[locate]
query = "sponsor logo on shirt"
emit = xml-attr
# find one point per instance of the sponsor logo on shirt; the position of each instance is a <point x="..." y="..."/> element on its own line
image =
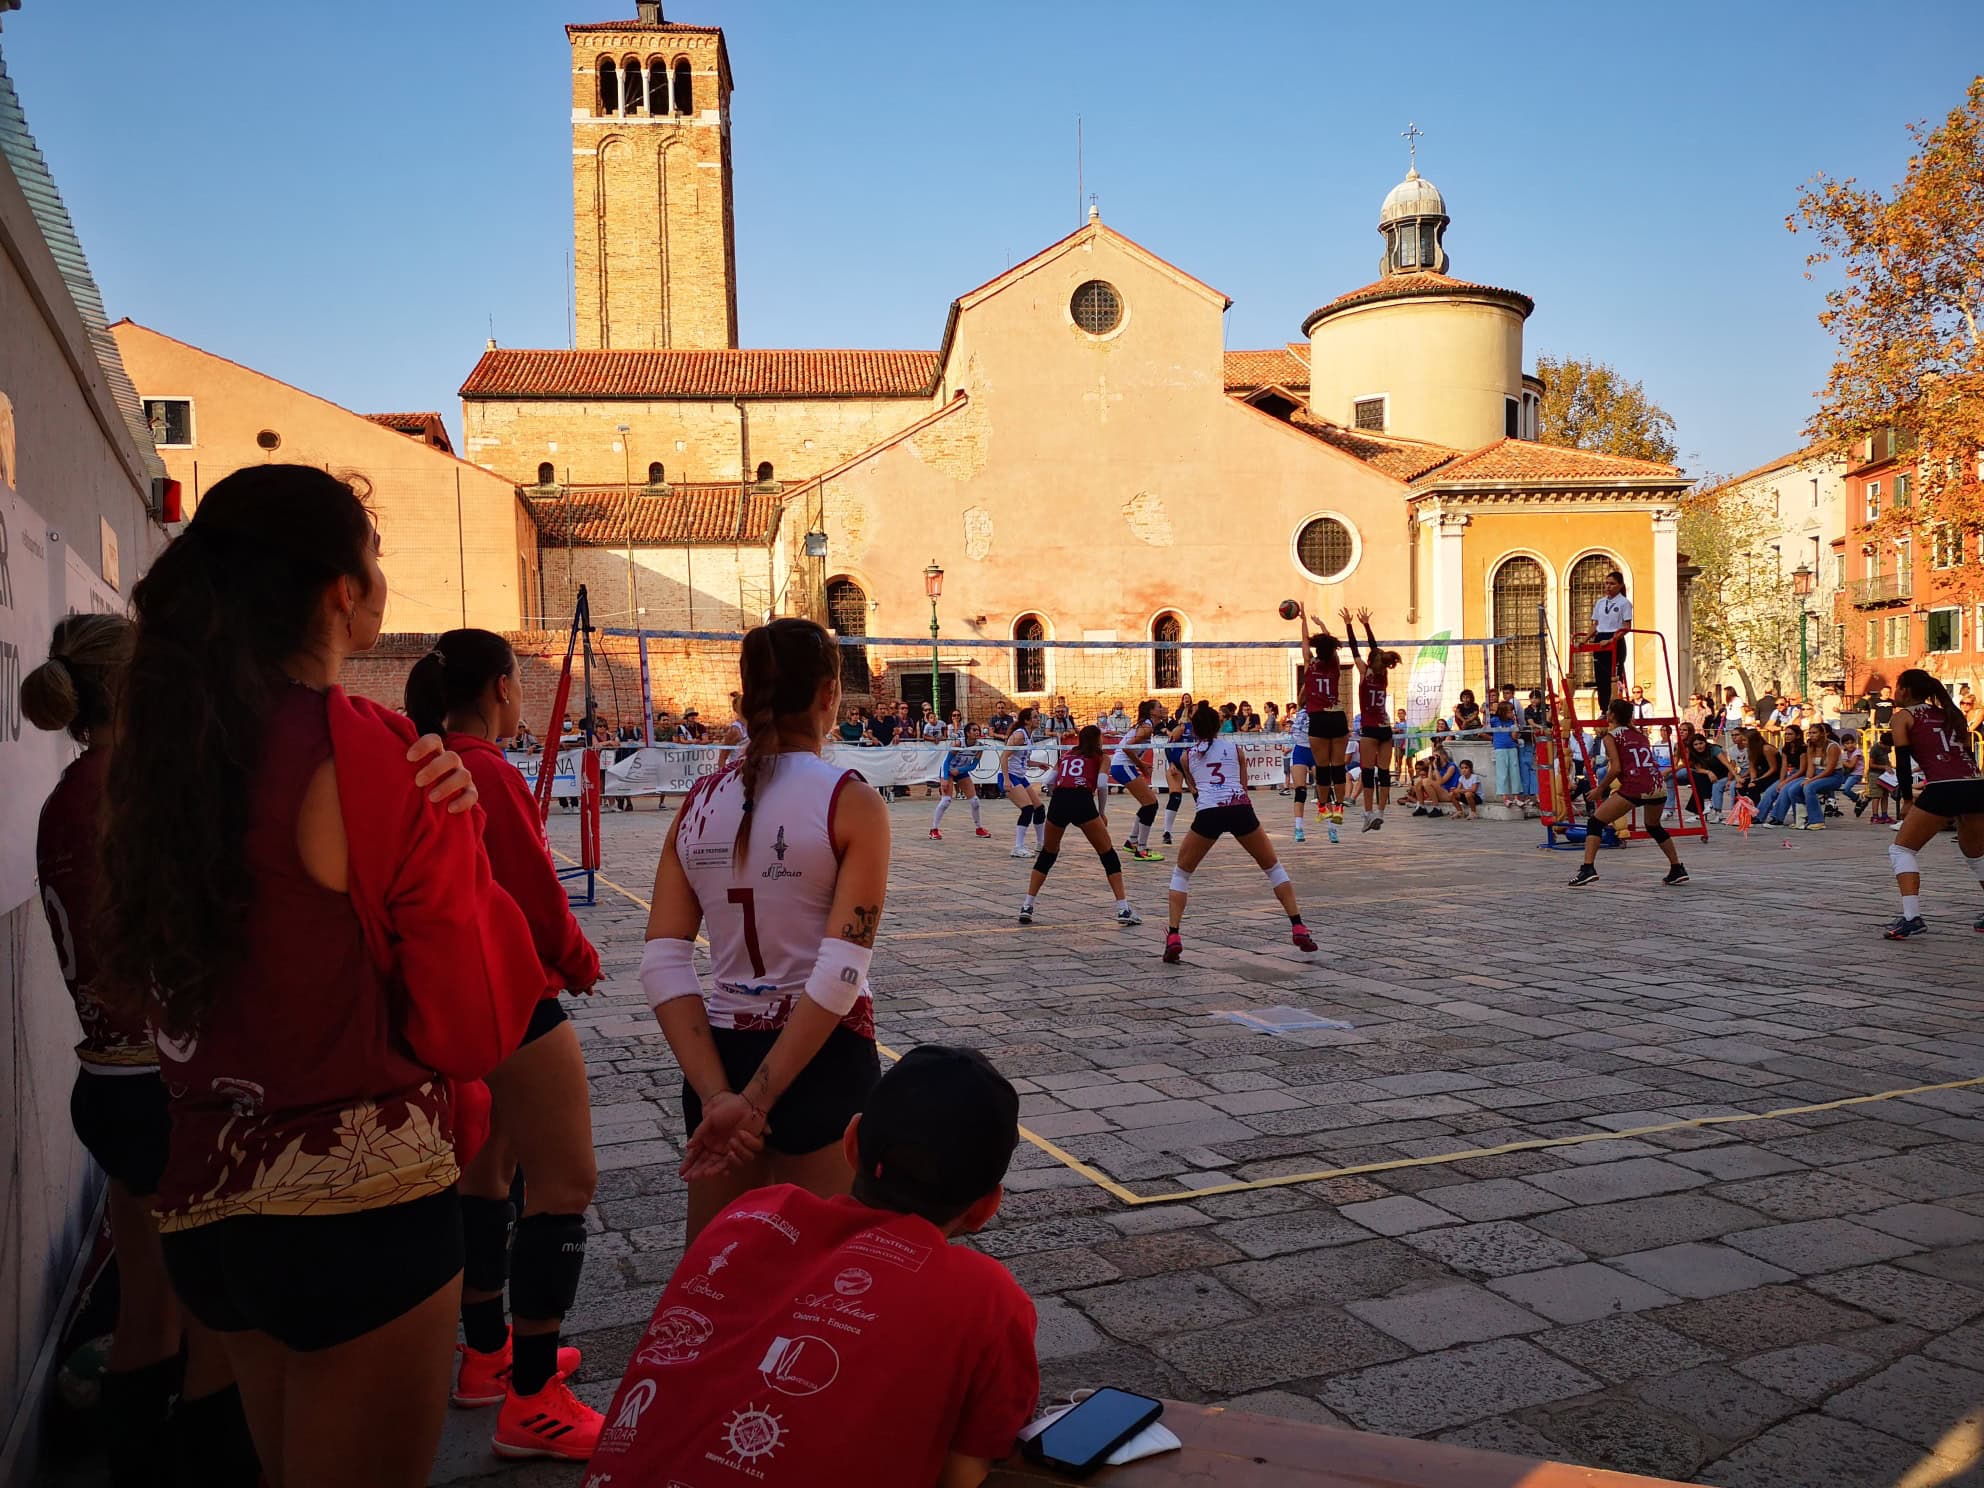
<point x="676" y="1336"/>
<point x="800" y="1366"/>
<point x="766" y="1217"/>
<point x="778" y="845"/>
<point x="749" y="1434"/>
<point x="853" y="1282"/>
<point x="619" y="1436"/>
<point x="879" y="1245"/>
<point x="701" y="1285"/>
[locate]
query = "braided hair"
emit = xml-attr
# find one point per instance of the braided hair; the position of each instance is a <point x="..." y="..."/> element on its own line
<point x="783" y="665"/>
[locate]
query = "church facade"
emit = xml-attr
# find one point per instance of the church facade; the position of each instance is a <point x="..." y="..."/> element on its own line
<point x="1079" y="454"/>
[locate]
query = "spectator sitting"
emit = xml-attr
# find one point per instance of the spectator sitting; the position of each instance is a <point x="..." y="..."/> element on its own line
<point x="692" y="727"/>
<point x="1823" y="774"/>
<point x="1424" y="793"/>
<point x="1853" y="764"/>
<point x="1060" y="720"/>
<point x="882" y="728"/>
<point x="851" y="729"/>
<point x="932" y="1343"/>
<point x="1270" y="719"/>
<point x="1699" y="768"/>
<point x="1227" y="713"/>
<point x="1116" y="721"/>
<point x="1502" y="729"/>
<point x="1641" y="707"/>
<point x="525" y="740"/>
<point x="1000" y="724"/>
<point x="1697" y="711"/>
<point x="1248" y="720"/>
<point x="1466" y="791"/>
<point x="1467" y="712"/>
<point x="1790" y="775"/>
<point x="1880" y="781"/>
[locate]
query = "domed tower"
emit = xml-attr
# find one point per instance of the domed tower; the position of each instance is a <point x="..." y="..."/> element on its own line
<point x="1416" y="353"/>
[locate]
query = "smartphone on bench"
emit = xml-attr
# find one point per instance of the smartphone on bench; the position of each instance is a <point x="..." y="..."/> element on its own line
<point x="1081" y="1440"/>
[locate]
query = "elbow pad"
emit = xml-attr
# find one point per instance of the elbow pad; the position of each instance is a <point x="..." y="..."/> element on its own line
<point x="668" y="971"/>
<point x="840" y="975"/>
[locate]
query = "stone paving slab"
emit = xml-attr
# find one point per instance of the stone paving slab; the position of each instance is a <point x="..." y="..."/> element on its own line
<point x="1777" y="1303"/>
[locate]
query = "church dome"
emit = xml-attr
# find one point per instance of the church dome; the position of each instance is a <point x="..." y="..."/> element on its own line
<point x="1415" y="196"/>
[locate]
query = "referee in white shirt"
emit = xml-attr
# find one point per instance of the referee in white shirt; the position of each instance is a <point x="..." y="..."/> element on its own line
<point x="1612" y="614"/>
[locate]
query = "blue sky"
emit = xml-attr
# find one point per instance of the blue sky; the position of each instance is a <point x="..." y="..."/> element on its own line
<point x="344" y="194"/>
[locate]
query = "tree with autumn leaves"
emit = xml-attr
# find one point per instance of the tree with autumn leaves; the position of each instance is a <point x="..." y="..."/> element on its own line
<point x="1908" y="314"/>
<point x="1590" y="406"/>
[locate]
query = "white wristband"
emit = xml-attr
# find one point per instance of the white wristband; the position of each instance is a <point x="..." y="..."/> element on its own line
<point x="668" y="971"/>
<point x="840" y="975"/>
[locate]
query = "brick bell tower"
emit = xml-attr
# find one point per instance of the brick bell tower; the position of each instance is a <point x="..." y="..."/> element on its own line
<point x="653" y="245"/>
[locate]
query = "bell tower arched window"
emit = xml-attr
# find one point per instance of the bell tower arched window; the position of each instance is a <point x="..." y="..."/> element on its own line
<point x="547" y="475"/>
<point x="609" y="87"/>
<point x="685" y="87"/>
<point x="634" y="90"/>
<point x="656" y="475"/>
<point x="658" y="89"/>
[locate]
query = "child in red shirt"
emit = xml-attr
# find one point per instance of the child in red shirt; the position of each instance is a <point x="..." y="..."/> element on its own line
<point x="810" y="1343"/>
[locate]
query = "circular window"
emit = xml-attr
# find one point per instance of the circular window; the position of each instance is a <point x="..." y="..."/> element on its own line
<point x="1326" y="548"/>
<point x="268" y="439"/>
<point x="1097" y="308"/>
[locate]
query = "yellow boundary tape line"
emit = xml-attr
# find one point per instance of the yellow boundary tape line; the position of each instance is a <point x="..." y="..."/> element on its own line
<point x="1290" y="1180"/>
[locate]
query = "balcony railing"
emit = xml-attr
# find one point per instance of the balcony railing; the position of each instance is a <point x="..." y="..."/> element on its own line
<point x="1882" y="589"/>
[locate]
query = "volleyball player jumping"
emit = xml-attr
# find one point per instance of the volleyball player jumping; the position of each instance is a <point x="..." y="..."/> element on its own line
<point x="1329" y="726"/>
<point x="1930" y="736"/>
<point x="1218" y="771"/>
<point x="1374" y="728"/>
<point x="954" y="775"/>
<point x="1072" y="804"/>
<point x="1018" y="788"/>
<point x="1126" y="769"/>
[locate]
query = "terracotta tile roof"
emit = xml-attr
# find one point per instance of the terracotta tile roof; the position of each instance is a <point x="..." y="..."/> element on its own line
<point x="1401" y="459"/>
<point x="406" y="423"/>
<point x="1796" y="457"/>
<point x="1418" y="286"/>
<point x="1284" y="366"/>
<point x="505" y="373"/>
<point x="598" y="516"/>
<point x="1523" y="461"/>
<point x="632" y="24"/>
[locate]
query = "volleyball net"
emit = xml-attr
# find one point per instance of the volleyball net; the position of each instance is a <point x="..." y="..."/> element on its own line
<point x="651" y="683"/>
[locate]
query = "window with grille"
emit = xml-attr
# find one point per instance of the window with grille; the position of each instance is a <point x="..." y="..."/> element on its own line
<point x="1167" y="668"/>
<point x="1873" y="640"/>
<point x="1369" y="413"/>
<point x="1325" y="549"/>
<point x="171" y="420"/>
<point x="1096" y="307"/>
<point x="847" y="615"/>
<point x="1587" y="588"/>
<point x="1519" y="595"/>
<point x="1029" y="659"/>
<point x="1895" y="642"/>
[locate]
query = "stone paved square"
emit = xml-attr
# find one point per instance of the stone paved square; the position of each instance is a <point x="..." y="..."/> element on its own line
<point x="1768" y="1303"/>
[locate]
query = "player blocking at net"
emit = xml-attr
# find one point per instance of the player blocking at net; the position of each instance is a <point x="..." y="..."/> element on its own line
<point x="1322" y="701"/>
<point x="1217" y="769"/>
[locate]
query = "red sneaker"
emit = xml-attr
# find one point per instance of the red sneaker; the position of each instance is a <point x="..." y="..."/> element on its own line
<point x="484" y="1379"/>
<point x="981" y="832"/>
<point x="1174" y="948"/>
<point x="552" y="1423"/>
<point x="935" y="835"/>
<point x="1304" y="941"/>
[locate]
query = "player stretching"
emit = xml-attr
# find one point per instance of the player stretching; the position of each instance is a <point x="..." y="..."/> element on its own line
<point x="1072" y="804"/>
<point x="1126" y="769"/>
<point x="1374" y="728"/>
<point x="1329" y="727"/>
<point x="1930" y="735"/>
<point x="1218" y="770"/>
<point x="1020" y="790"/>
<point x="954" y="775"/>
<point x="1634" y="780"/>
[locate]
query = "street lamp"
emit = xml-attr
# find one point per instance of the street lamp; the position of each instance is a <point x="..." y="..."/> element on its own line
<point x="627" y="478"/>
<point x="933" y="585"/>
<point x="1801" y="586"/>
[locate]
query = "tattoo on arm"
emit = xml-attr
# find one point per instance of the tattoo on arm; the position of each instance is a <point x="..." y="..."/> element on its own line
<point x="861" y="929"/>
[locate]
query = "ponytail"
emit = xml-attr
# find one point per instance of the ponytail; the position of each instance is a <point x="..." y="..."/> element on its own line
<point x="76" y="688"/>
<point x="1926" y="686"/>
<point x="783" y="665"/>
<point x="454" y="676"/>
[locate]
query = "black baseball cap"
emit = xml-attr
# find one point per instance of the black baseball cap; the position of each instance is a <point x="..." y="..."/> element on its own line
<point x="938" y="1131"/>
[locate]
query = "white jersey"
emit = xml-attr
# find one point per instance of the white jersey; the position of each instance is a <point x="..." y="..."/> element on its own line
<point x="1215" y="766"/>
<point x="1296" y="723"/>
<point x="766" y="916"/>
<point x="1139" y="736"/>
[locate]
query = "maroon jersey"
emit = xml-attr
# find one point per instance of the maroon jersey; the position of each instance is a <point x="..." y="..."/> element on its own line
<point x="1371" y="696"/>
<point x="1078" y="772"/>
<point x="66" y="863"/>
<point x="1639" y="768"/>
<point x="1934" y="746"/>
<point x="1319" y="687"/>
<point x="297" y="1094"/>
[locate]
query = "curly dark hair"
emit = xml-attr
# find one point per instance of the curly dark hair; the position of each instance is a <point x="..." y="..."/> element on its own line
<point x="234" y="597"/>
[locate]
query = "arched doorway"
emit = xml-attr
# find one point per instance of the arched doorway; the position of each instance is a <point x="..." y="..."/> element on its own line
<point x="1519" y="595"/>
<point x="847" y="615"/>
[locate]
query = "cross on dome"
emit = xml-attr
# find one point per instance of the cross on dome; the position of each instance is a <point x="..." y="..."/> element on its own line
<point x="1411" y="135"/>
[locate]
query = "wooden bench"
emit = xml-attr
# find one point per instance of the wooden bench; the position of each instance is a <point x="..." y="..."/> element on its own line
<point x="1230" y="1449"/>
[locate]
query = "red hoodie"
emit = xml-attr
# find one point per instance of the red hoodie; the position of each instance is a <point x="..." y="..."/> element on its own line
<point x="520" y="858"/>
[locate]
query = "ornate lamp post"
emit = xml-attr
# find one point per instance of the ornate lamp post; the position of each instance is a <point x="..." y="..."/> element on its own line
<point x="933" y="585"/>
<point x="1801" y="585"/>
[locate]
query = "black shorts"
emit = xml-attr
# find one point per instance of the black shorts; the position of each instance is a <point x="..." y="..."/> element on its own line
<point x="1377" y="733"/>
<point x="1951" y="797"/>
<point x="547" y="1015"/>
<point x="1331" y="723"/>
<point x="1070" y="807"/>
<point x="814" y="1111"/>
<point x="313" y="1281"/>
<point x="123" y="1122"/>
<point x="1213" y="822"/>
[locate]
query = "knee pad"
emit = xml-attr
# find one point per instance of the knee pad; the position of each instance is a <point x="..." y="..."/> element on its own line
<point x="1301" y="795"/>
<point x="1044" y="863"/>
<point x="1173" y="801"/>
<point x="1111" y="862"/>
<point x="1036" y="816"/>
<point x="1657" y="832"/>
<point x="1339" y="774"/>
<point x="485" y="1243"/>
<point x="1181" y="881"/>
<point x="1903" y="859"/>
<point x="1383" y="779"/>
<point x="1147" y="814"/>
<point x="1277" y="876"/>
<point x="549" y="1253"/>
